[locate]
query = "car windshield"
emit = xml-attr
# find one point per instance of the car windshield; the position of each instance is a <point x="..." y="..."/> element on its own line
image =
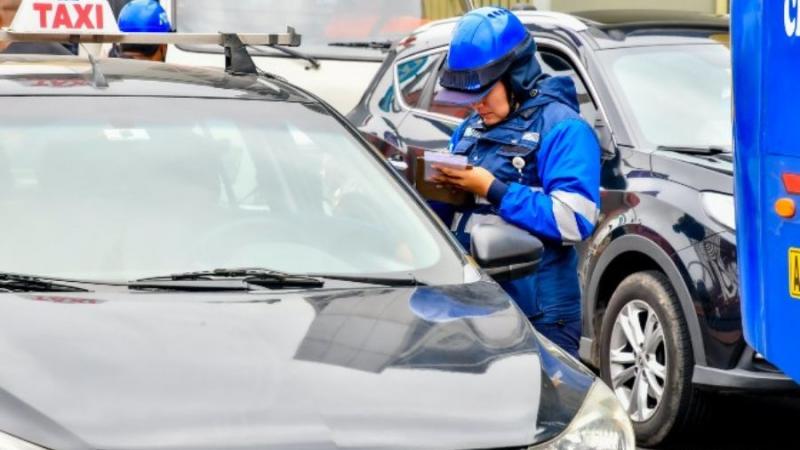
<point x="674" y="96"/>
<point x="319" y="22"/>
<point x="121" y="188"/>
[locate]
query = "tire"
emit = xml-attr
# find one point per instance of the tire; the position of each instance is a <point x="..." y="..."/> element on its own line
<point x="660" y="365"/>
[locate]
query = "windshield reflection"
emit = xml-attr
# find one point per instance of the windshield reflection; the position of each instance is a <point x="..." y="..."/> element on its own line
<point x="675" y="96"/>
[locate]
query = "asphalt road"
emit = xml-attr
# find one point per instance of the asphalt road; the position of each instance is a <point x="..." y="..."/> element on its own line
<point x="745" y="423"/>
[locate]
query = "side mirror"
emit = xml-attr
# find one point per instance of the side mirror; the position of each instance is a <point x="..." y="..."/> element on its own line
<point x="504" y="251"/>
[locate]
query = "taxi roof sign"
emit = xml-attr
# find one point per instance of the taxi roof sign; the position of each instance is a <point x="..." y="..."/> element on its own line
<point x="65" y="16"/>
<point x="91" y="21"/>
<point x="289" y="39"/>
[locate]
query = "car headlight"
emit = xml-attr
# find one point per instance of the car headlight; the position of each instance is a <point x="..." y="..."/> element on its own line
<point x="720" y="207"/>
<point x="601" y="424"/>
<point x="8" y="442"/>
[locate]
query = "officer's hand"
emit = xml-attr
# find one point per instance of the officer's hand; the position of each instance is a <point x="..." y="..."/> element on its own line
<point x="476" y="179"/>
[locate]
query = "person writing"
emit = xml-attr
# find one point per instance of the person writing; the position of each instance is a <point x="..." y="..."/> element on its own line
<point x="535" y="163"/>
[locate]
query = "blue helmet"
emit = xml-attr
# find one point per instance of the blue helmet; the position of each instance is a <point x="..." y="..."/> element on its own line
<point x="144" y="16"/>
<point x="485" y="43"/>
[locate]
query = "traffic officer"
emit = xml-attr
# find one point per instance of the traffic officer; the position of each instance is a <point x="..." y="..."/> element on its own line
<point x="535" y="161"/>
<point x="143" y="16"/>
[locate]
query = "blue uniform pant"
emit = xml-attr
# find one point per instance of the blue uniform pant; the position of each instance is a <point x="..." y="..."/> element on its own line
<point x="566" y="335"/>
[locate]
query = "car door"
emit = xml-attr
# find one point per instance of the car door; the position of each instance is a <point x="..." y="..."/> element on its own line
<point x="379" y="115"/>
<point x="422" y="128"/>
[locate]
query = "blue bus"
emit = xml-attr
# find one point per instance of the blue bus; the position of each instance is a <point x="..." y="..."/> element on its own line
<point x="766" y="76"/>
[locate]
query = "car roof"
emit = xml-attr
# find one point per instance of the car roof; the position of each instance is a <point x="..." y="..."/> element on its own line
<point x="631" y="28"/>
<point x="31" y="75"/>
<point x="602" y="28"/>
<point x="634" y="18"/>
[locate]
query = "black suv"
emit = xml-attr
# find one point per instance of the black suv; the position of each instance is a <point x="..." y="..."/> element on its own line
<point x="661" y="313"/>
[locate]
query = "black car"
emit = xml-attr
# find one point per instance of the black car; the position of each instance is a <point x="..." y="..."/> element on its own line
<point x="196" y="260"/>
<point x="661" y="312"/>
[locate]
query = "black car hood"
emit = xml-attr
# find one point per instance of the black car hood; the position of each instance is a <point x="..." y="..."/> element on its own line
<point x="451" y="367"/>
<point x="702" y="172"/>
<point x="722" y="162"/>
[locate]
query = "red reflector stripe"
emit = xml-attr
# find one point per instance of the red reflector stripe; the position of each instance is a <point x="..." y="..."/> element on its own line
<point x="791" y="182"/>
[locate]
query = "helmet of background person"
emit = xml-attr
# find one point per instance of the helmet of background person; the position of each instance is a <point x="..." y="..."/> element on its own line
<point x="143" y="16"/>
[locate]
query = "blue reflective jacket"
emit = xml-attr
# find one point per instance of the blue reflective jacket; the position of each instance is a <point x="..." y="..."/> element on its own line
<point x="554" y="195"/>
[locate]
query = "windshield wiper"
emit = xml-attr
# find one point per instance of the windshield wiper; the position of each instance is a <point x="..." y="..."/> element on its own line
<point x="14" y="282"/>
<point x="291" y="52"/>
<point x="383" y="281"/>
<point x="380" y="45"/>
<point x="189" y="286"/>
<point x="260" y="277"/>
<point x="243" y="276"/>
<point x="699" y="150"/>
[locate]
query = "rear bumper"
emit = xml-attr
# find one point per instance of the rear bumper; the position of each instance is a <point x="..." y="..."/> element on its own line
<point x="740" y="379"/>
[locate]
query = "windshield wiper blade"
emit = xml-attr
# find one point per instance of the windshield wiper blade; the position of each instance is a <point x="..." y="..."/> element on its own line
<point x="247" y="275"/>
<point x="699" y="150"/>
<point x="289" y="51"/>
<point x="189" y="285"/>
<point x="14" y="282"/>
<point x="261" y="277"/>
<point x="383" y="281"/>
<point x="380" y="45"/>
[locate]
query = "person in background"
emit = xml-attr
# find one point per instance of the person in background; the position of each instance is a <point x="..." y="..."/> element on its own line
<point x="8" y="9"/>
<point x="535" y="161"/>
<point x="143" y="16"/>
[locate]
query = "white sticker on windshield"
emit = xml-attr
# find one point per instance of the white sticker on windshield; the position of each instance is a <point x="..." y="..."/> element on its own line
<point x="300" y="138"/>
<point x="126" y="134"/>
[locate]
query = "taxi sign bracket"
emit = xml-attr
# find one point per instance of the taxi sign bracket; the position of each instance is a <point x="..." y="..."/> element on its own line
<point x="237" y="59"/>
<point x="98" y="79"/>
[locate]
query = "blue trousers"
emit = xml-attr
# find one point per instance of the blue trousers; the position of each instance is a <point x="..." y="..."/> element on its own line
<point x="566" y="335"/>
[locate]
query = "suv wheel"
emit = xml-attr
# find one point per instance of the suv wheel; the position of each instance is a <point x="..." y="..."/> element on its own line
<point x="646" y="356"/>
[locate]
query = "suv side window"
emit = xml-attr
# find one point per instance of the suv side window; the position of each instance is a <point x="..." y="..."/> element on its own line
<point x="413" y="76"/>
<point x="553" y="63"/>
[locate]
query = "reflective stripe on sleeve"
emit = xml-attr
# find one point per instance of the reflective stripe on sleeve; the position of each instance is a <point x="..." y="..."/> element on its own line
<point x="566" y="222"/>
<point x="578" y="203"/>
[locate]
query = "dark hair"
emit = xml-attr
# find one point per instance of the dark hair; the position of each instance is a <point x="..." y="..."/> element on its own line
<point x="147" y="50"/>
<point x="513" y="104"/>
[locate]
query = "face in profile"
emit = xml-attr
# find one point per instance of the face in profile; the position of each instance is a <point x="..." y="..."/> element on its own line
<point x="494" y="108"/>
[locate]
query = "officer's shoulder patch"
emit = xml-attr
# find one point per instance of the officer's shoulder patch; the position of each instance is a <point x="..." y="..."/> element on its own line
<point x="530" y="136"/>
<point x="472" y="132"/>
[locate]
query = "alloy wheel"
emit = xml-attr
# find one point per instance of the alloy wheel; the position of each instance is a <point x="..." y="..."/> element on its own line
<point x="638" y="360"/>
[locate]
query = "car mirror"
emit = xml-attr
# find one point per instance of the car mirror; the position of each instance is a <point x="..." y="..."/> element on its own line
<point x="504" y="251"/>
